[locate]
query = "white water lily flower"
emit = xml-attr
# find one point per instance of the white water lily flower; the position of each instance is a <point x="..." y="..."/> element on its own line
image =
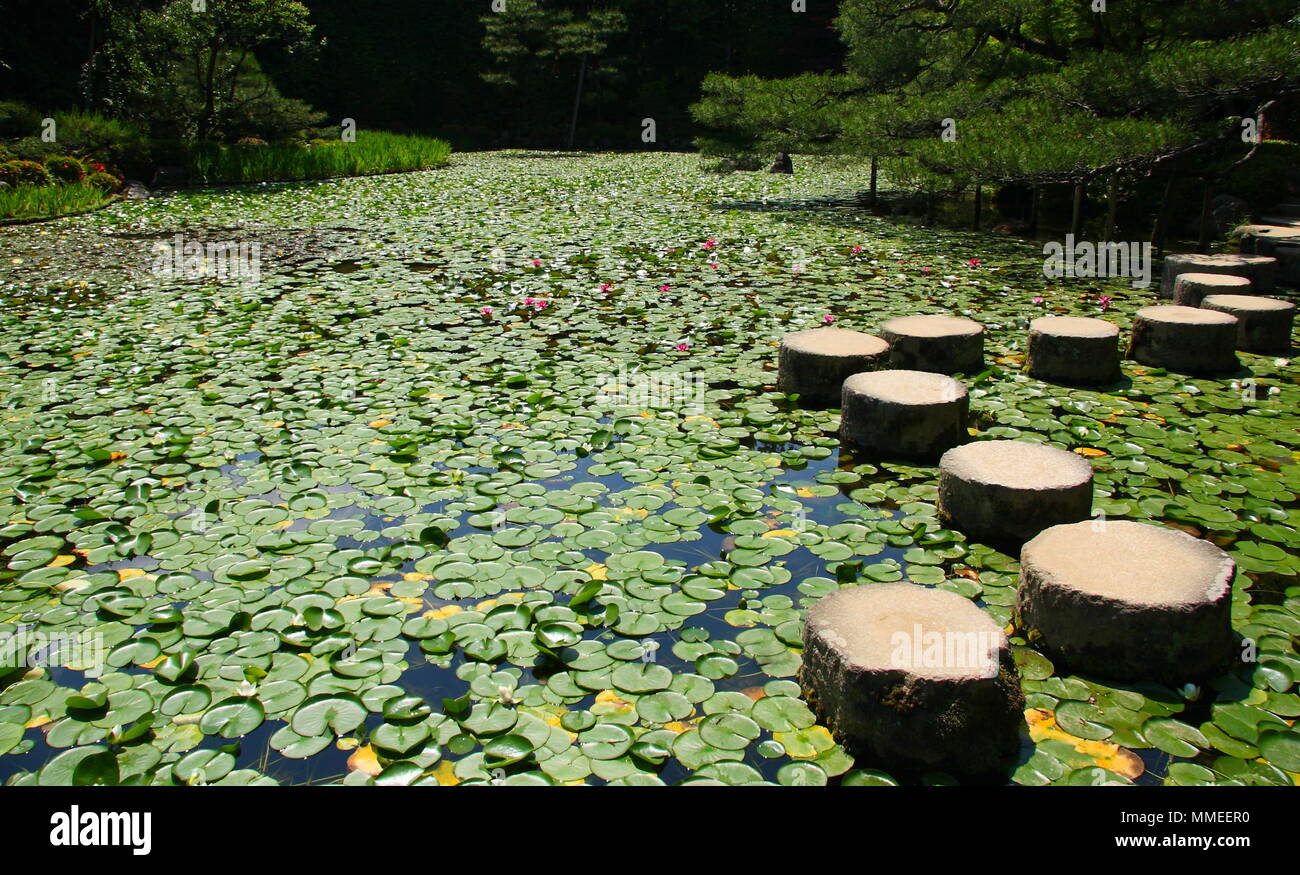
<point x="1191" y="692"/>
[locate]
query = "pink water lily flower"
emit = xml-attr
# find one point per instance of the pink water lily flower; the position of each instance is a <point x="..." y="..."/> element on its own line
<point x="857" y="248"/>
<point x="925" y="270"/>
<point x="1038" y="299"/>
<point x="714" y="265"/>
<point x="710" y="243"/>
<point x="541" y="305"/>
<point x="828" y="319"/>
<point x="528" y="302"/>
<point x="605" y="287"/>
<point x="1104" y="301"/>
<point x="486" y="311"/>
<point x="682" y="347"/>
<point x="536" y="263"/>
<point x="665" y="288"/>
<point x="974" y="262"/>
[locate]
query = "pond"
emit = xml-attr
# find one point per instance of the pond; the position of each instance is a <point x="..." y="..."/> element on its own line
<point x="482" y="476"/>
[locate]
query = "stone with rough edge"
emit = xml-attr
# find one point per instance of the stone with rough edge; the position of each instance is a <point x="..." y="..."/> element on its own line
<point x="1263" y="324"/>
<point x="815" y="363"/>
<point x="1261" y="270"/>
<point x="910" y="676"/>
<point x="1188" y="340"/>
<point x="908" y="414"/>
<point x="1008" y="491"/>
<point x="939" y="344"/>
<point x="1073" y="350"/>
<point x="1191" y="288"/>
<point x="1128" y="601"/>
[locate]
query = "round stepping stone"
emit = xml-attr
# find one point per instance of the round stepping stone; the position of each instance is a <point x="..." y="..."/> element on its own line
<point x="1002" y="491"/>
<point x="940" y="344"/>
<point x="1261" y="270"/>
<point x="911" y="676"/>
<point x="1128" y="601"/>
<point x="1184" y="339"/>
<point x="1263" y="324"/>
<point x="815" y="363"/>
<point x="912" y="414"/>
<point x="1191" y="288"/>
<point x="1074" y="350"/>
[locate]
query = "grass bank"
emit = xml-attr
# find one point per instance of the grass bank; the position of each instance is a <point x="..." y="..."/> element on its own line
<point x="372" y="153"/>
<point x="48" y="201"/>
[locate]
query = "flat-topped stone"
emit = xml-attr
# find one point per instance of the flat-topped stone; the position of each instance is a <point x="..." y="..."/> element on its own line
<point x="1074" y="350"/>
<point x="1127" y="600"/>
<point x="1263" y="324"/>
<point x="909" y="414"/>
<point x="1009" y="491"/>
<point x="1261" y="270"/>
<point x="940" y="344"/>
<point x="1184" y="339"/>
<point x="914" y="676"/>
<point x="1279" y="241"/>
<point x="1191" y="288"/>
<point x="815" y="363"/>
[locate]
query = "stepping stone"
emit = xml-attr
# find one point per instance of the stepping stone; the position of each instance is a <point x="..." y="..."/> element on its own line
<point x="912" y="414"/>
<point x="1191" y="288"/>
<point x="1009" y="491"/>
<point x="1263" y="324"/>
<point x="1127" y="601"/>
<point x="815" y="363"/>
<point x="940" y="344"/>
<point x="1280" y="241"/>
<point x="1184" y="339"/>
<point x="1261" y="270"/>
<point x="1074" y="350"/>
<point x="913" y="677"/>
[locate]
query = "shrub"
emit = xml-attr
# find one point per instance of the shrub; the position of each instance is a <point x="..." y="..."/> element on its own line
<point x="18" y="119"/>
<point x="65" y="168"/>
<point x="106" y="182"/>
<point x="24" y="173"/>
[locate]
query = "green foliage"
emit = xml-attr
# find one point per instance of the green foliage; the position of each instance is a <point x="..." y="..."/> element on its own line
<point x="194" y="73"/>
<point x="1029" y="91"/>
<point x="373" y="152"/>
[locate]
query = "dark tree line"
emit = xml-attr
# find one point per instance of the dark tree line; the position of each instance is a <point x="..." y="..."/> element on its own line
<point x="424" y="66"/>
